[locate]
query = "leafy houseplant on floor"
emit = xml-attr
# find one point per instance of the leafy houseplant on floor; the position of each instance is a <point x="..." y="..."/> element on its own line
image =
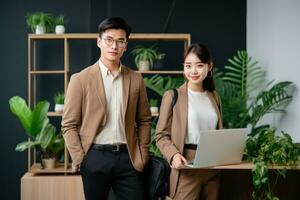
<point x="144" y="57"/>
<point x="60" y="24"/>
<point x="246" y="97"/>
<point x="40" y="22"/>
<point x="41" y="132"/>
<point x="59" y="99"/>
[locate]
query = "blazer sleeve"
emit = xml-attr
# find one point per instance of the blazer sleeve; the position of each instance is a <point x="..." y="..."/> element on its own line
<point x="163" y="136"/>
<point x="143" y="121"/>
<point x="71" y="120"/>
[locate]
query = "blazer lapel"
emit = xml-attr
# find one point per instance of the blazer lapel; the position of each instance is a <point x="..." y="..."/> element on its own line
<point x="99" y="87"/>
<point x="126" y="86"/>
<point x="183" y="108"/>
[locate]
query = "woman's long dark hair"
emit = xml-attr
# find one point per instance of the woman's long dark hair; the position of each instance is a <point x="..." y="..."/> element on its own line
<point x="202" y="52"/>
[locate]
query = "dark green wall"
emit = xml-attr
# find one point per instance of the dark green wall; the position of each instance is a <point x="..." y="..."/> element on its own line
<point x="220" y="25"/>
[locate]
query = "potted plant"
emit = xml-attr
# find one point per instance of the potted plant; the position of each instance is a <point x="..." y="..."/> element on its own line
<point x="59" y="99"/>
<point x="41" y="132"/>
<point x="153" y="106"/>
<point x="144" y="57"/>
<point x="40" y="22"/>
<point x="60" y="24"/>
<point x="158" y="61"/>
<point x="246" y="98"/>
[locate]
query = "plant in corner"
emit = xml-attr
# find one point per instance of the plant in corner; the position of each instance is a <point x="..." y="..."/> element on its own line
<point x="42" y="134"/>
<point x="59" y="99"/>
<point x="40" y="22"/>
<point x="246" y="98"/>
<point x="144" y="57"/>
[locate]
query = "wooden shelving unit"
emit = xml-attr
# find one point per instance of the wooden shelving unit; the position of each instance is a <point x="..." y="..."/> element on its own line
<point x="64" y="70"/>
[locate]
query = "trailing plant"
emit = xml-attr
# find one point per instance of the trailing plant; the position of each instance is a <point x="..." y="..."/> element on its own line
<point x="265" y="149"/>
<point x="41" y="132"/>
<point x="153" y="148"/>
<point x="59" y="98"/>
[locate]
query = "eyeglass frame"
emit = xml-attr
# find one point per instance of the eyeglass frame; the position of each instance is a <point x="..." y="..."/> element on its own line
<point x="120" y="43"/>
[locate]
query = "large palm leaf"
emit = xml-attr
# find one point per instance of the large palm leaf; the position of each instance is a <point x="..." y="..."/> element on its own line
<point x="161" y="84"/>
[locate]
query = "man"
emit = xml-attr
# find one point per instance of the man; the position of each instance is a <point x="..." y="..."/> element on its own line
<point x="106" y="120"/>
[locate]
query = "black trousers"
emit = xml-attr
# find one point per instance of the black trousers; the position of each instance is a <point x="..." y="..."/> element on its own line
<point x="102" y="170"/>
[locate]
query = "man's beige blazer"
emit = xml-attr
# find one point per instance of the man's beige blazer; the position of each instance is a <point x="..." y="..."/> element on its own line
<point x="172" y="127"/>
<point x="84" y="114"/>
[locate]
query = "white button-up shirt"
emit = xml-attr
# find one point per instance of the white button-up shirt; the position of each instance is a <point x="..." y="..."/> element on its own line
<point x="113" y="131"/>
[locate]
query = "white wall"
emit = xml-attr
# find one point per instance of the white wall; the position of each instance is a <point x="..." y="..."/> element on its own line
<point x="273" y="39"/>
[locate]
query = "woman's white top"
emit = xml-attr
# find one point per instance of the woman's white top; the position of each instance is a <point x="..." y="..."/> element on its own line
<point x="201" y="116"/>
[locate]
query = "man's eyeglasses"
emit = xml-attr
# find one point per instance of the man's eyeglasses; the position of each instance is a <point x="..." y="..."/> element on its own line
<point x="110" y="41"/>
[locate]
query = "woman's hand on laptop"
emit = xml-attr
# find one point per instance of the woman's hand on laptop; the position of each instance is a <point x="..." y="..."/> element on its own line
<point x="178" y="161"/>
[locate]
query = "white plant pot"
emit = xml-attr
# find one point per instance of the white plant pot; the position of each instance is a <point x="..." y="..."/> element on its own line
<point x="40" y="29"/>
<point x="59" y="108"/>
<point x="144" y="65"/>
<point x="154" y="109"/>
<point x="59" y="29"/>
<point x="49" y="163"/>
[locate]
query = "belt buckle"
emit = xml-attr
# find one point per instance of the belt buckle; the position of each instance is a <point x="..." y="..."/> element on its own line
<point x="118" y="148"/>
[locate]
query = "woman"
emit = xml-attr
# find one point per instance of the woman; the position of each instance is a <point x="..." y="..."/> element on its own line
<point x="178" y="128"/>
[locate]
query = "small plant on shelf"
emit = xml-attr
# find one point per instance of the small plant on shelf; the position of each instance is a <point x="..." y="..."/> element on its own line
<point x="41" y="132"/>
<point x="59" y="99"/>
<point x="153" y="105"/>
<point x="60" y="24"/>
<point x="144" y="57"/>
<point x="40" y="22"/>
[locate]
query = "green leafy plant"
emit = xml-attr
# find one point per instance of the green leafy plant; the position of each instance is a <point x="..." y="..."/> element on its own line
<point x="142" y="53"/>
<point x="264" y="149"/>
<point x="246" y="98"/>
<point x="153" y="102"/>
<point x="246" y="95"/>
<point x="59" y="98"/>
<point x="40" y="18"/>
<point x="60" y="20"/>
<point x="160" y="84"/>
<point x="41" y="132"/>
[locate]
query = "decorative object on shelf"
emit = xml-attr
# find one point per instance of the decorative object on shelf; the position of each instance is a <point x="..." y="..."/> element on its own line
<point x="42" y="134"/>
<point x="60" y="24"/>
<point x="153" y="106"/>
<point x="144" y="57"/>
<point x="59" y="99"/>
<point x="40" y="22"/>
<point x="246" y="98"/>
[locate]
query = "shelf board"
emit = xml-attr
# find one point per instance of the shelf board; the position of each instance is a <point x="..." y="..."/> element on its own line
<point x="60" y="168"/>
<point x="47" y="72"/>
<point x="54" y="114"/>
<point x="160" y="72"/>
<point x="134" y="36"/>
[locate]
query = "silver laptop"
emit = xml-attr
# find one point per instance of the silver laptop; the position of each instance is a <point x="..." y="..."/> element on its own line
<point x="219" y="147"/>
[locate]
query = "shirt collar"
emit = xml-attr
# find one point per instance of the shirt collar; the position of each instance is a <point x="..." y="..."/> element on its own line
<point x="105" y="71"/>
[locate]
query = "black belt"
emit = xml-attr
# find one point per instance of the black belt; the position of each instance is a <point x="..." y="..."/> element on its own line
<point x="190" y="146"/>
<point x="109" y="147"/>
